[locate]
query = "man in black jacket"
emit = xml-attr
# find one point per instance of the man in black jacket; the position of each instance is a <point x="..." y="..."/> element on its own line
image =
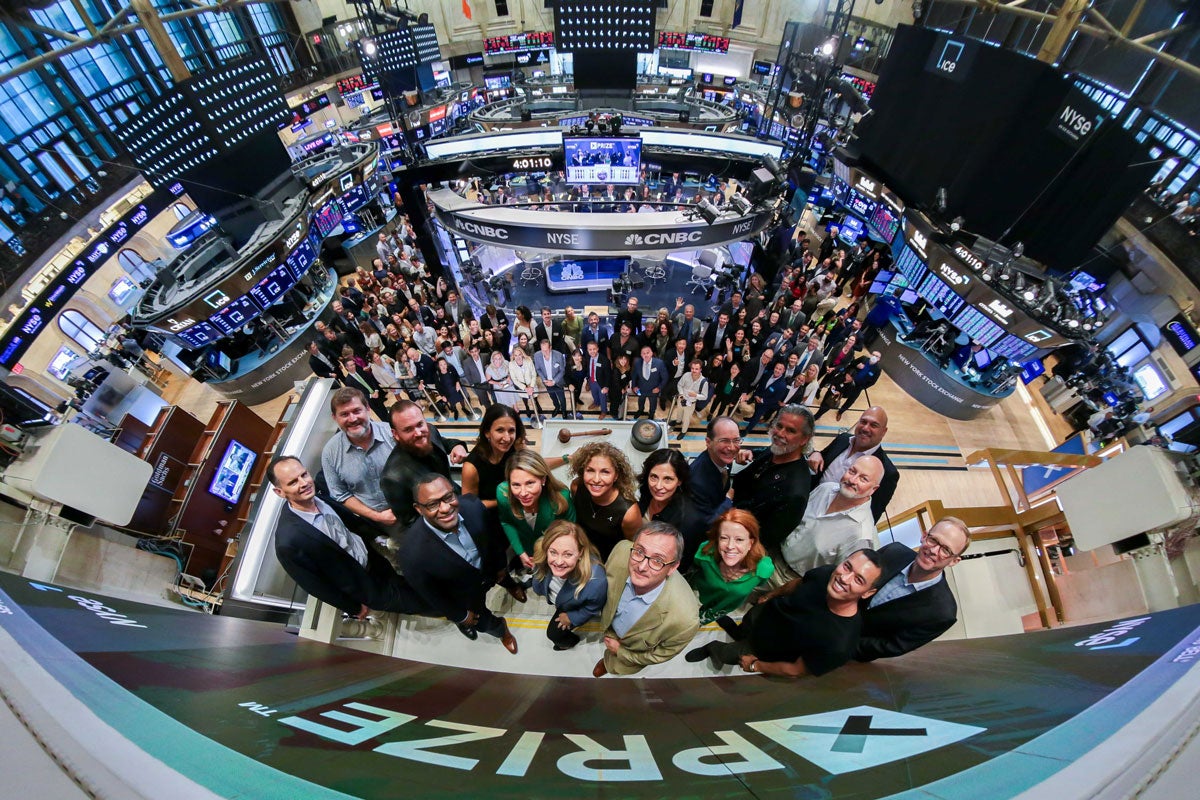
<point x="451" y="556"/>
<point x="419" y="450"/>
<point x="914" y="604"/>
<point x="326" y="549"/>
<point x="321" y="365"/>
<point x="866" y="439"/>
<point x="364" y="381"/>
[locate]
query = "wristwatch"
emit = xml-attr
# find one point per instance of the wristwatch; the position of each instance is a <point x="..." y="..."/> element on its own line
<point x="754" y="666"/>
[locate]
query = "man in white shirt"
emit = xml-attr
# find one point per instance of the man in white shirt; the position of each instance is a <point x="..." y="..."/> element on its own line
<point x="866" y="439"/>
<point x="836" y="522"/>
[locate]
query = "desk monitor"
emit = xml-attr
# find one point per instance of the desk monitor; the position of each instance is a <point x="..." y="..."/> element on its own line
<point x="233" y="473"/>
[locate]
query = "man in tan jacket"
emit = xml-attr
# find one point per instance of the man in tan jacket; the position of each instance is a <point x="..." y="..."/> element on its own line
<point x="651" y="614"/>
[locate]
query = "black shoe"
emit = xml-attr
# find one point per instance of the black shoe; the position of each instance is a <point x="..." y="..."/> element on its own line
<point x="732" y="628"/>
<point x="470" y="633"/>
<point x="699" y="654"/>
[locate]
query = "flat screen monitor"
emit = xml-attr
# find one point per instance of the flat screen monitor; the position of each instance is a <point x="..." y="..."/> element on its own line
<point x="592" y="159"/>
<point x="233" y="473"/>
<point x="1030" y="370"/>
<point x="267" y="291"/>
<point x="1150" y="381"/>
<point x="982" y="359"/>
<point x="502" y="81"/>
<point x="199" y="335"/>
<point x="729" y="80"/>
<point x="909" y="296"/>
<point x="762" y="68"/>
<point x="852" y="228"/>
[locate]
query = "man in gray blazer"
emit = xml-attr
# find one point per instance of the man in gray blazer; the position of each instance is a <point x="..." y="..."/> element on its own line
<point x="551" y="367"/>
<point x="473" y="367"/>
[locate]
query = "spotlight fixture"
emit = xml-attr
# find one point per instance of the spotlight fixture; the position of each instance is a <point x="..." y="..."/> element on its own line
<point x="741" y="204"/>
<point x="369" y="48"/>
<point x="708" y="211"/>
<point x="771" y="164"/>
<point x="828" y="48"/>
<point x="957" y="224"/>
<point x="1018" y="250"/>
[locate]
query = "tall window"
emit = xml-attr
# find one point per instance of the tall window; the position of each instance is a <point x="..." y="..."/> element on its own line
<point x="706" y="8"/>
<point x="181" y="211"/>
<point x="82" y="330"/>
<point x="501" y="8"/>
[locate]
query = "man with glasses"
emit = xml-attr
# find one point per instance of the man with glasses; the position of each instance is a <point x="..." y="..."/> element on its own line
<point x="808" y="627"/>
<point x="651" y="613"/>
<point x="775" y="486"/>
<point x="709" y="483"/>
<point x="451" y="557"/>
<point x="914" y="604"/>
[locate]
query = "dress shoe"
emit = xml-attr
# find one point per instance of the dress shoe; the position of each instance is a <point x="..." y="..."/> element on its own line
<point x="508" y="640"/>
<point x="468" y="632"/>
<point x="599" y="671"/>
<point x="699" y="654"/>
<point x="517" y="592"/>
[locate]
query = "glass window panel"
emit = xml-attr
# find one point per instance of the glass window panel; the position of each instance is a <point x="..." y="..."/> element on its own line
<point x="80" y="329"/>
<point x="55" y="171"/>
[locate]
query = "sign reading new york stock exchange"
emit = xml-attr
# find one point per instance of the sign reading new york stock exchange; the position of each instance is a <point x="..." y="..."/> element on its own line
<point x="596" y="234"/>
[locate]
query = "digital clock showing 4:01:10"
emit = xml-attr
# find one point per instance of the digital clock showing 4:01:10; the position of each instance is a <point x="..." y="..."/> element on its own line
<point x="533" y="162"/>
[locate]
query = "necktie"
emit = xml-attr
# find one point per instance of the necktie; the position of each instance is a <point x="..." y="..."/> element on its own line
<point x="593" y="373"/>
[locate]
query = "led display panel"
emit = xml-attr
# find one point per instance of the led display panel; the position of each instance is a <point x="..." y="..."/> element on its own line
<point x="602" y="160"/>
<point x="593" y="25"/>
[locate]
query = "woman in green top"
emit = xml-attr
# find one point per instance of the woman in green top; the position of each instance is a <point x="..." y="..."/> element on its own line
<point x="730" y="565"/>
<point x="528" y="501"/>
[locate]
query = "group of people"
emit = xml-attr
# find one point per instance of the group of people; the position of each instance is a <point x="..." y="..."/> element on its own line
<point x="651" y="555"/>
<point x="555" y="194"/>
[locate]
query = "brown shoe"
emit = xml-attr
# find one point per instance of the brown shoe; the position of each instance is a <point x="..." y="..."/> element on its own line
<point x="508" y="640"/>
<point x="599" y="671"/>
<point x="517" y="591"/>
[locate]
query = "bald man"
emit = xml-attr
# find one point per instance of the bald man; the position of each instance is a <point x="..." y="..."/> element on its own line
<point x="836" y="522"/>
<point x="866" y="439"/>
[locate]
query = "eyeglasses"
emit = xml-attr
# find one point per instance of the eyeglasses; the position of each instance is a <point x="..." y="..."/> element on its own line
<point x="726" y="442"/>
<point x="943" y="550"/>
<point x="656" y="564"/>
<point x="450" y="499"/>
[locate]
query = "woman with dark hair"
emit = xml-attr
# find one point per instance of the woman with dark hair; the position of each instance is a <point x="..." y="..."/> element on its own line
<point x="729" y="566"/>
<point x="622" y="376"/>
<point x="662" y="340"/>
<point x="663" y="496"/>
<point x="524" y="323"/>
<point x="757" y="337"/>
<point x="450" y="388"/>
<point x="728" y="391"/>
<point x="501" y="433"/>
<point x="604" y="495"/>
<point x="576" y="375"/>
<point x="625" y="343"/>
<point x="568" y="572"/>
<point x="528" y="501"/>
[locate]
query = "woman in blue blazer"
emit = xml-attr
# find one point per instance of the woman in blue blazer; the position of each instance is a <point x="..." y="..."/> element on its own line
<point x="568" y="572"/>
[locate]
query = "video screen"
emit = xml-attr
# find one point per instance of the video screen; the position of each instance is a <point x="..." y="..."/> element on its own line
<point x="233" y="473"/>
<point x="595" y="160"/>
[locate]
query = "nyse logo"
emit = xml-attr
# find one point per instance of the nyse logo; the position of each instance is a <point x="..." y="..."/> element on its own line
<point x="951" y="54"/>
<point x="951" y="274"/>
<point x="292" y="240"/>
<point x="574" y="239"/>
<point x="742" y="227"/>
<point x="1074" y="122"/>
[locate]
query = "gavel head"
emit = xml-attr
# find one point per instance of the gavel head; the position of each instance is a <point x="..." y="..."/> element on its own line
<point x="564" y="435"/>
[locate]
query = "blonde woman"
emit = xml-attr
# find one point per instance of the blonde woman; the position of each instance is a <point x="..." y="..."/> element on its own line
<point x="528" y="501"/>
<point x="567" y="571"/>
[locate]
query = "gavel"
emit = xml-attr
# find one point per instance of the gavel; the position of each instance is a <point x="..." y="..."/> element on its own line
<point x="565" y="435"/>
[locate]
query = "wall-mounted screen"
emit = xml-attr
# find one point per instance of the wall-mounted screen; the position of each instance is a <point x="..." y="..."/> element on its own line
<point x="60" y="364"/>
<point x="233" y="473"/>
<point x="235" y="315"/>
<point x="602" y="160"/>
<point x="199" y="335"/>
<point x="267" y="291"/>
<point x="1150" y="381"/>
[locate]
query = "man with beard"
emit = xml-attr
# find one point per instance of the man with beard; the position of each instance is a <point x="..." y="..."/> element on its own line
<point x="836" y="522"/>
<point x="419" y="450"/>
<point x="831" y="464"/>
<point x="774" y="487"/>
<point x="353" y="459"/>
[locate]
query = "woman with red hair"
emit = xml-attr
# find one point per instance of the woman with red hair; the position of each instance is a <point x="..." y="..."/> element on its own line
<point x="730" y="565"/>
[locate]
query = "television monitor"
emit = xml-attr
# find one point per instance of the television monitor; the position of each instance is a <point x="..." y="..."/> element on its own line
<point x="706" y="77"/>
<point x="497" y="81"/>
<point x="852" y="228"/>
<point x="1111" y="399"/>
<point x="877" y="287"/>
<point x="1150" y="381"/>
<point x="762" y="68"/>
<point x="1030" y="370"/>
<point x="60" y="364"/>
<point x="233" y="472"/>
<point x="591" y="159"/>
<point x="729" y="80"/>
<point x="909" y="296"/>
<point x="982" y="359"/>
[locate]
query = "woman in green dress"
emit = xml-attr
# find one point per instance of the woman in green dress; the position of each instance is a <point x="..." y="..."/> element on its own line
<point x="730" y="565"/>
<point x="528" y="501"/>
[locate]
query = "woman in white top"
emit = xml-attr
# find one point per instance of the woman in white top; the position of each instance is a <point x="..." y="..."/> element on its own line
<point x="498" y="377"/>
<point x="384" y="370"/>
<point x="803" y="388"/>
<point x="693" y="391"/>
<point x="524" y="380"/>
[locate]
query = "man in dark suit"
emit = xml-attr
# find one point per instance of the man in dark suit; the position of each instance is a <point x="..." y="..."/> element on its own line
<point x="914" y="604"/>
<point x="687" y="327"/>
<point x="864" y="372"/>
<point x="631" y="316"/>
<point x="595" y="331"/>
<point x="551" y="369"/>
<point x="811" y="354"/>
<point x="830" y="464"/>
<point x="326" y="549"/>
<point x="768" y="396"/>
<point x="717" y="333"/>
<point x="649" y="379"/>
<point x="598" y="374"/>
<point x="364" y="380"/>
<point x="473" y="375"/>
<point x="551" y="330"/>
<point x="456" y="306"/>
<point x="419" y="450"/>
<point x="709" y="484"/>
<point x="451" y="557"/>
<point x="321" y="365"/>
